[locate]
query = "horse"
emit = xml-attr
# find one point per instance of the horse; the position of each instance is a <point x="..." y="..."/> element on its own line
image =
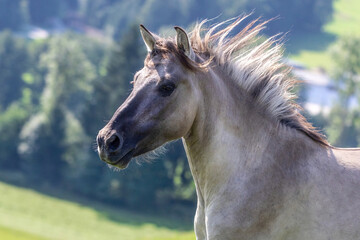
<point x="260" y="169"/>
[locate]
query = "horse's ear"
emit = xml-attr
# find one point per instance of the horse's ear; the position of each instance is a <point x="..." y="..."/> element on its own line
<point x="148" y="38"/>
<point x="183" y="43"/>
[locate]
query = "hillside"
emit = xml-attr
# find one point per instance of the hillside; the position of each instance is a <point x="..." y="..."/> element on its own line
<point x="27" y="214"/>
<point x="312" y="49"/>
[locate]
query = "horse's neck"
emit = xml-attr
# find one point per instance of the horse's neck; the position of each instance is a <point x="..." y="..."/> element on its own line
<point x="224" y="151"/>
<point x="229" y="140"/>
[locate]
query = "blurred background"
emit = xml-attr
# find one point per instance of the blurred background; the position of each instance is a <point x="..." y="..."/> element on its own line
<point x="65" y="67"/>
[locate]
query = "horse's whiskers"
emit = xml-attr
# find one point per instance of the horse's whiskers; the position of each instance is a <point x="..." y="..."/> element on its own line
<point x="94" y="146"/>
<point x="151" y="156"/>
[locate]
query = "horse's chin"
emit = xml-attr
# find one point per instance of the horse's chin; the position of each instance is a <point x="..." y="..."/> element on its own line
<point x="140" y="155"/>
<point x="124" y="161"/>
<point x="121" y="165"/>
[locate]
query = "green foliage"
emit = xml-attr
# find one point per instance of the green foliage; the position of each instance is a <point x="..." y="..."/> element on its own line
<point x="294" y="15"/>
<point x="11" y="14"/>
<point x="42" y="147"/>
<point x="69" y="74"/>
<point x="13" y="63"/>
<point x="344" y="125"/>
<point x="51" y="136"/>
<point x="41" y="11"/>
<point x="177" y="169"/>
<point x="297" y="15"/>
<point x="14" y="14"/>
<point x="312" y="49"/>
<point x="346" y="55"/>
<point x="11" y="122"/>
<point x="342" y="130"/>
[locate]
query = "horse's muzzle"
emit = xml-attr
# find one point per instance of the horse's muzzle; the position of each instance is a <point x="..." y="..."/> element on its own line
<point x="112" y="150"/>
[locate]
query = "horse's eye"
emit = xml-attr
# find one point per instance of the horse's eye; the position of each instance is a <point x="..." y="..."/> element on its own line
<point x="166" y="89"/>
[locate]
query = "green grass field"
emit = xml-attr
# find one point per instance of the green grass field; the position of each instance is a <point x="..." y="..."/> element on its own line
<point x="28" y="215"/>
<point x="312" y="49"/>
<point x="11" y="234"/>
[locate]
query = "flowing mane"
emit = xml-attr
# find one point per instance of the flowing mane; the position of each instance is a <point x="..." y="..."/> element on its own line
<point x="256" y="66"/>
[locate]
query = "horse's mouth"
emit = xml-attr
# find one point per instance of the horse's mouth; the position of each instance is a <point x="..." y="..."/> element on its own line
<point x="123" y="161"/>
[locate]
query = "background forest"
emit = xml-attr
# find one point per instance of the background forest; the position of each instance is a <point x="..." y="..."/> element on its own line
<point x="66" y="65"/>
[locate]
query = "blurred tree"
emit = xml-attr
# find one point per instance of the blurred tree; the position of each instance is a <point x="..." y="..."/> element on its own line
<point x="11" y="122"/>
<point x="41" y="11"/>
<point x="113" y="16"/>
<point x="93" y="11"/>
<point x="175" y="14"/>
<point x="72" y="4"/>
<point x="52" y="138"/>
<point x="42" y="147"/>
<point x="13" y="63"/>
<point x="294" y="15"/>
<point x="11" y="14"/>
<point x="344" y="125"/>
<point x="34" y="77"/>
<point x="182" y="188"/>
<point x="346" y="55"/>
<point x="69" y="74"/>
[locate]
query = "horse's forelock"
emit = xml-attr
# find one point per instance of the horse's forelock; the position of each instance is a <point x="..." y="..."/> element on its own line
<point x="167" y="47"/>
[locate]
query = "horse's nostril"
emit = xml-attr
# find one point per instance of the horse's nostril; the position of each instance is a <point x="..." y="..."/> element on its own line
<point x="114" y="143"/>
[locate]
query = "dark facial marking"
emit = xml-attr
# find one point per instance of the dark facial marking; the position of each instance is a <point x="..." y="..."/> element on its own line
<point x="127" y="112"/>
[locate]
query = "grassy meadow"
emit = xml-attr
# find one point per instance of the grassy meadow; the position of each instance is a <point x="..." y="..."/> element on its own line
<point x="311" y="49"/>
<point x="28" y="215"/>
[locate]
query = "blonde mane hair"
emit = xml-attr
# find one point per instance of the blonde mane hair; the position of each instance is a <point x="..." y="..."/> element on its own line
<point x="255" y="65"/>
